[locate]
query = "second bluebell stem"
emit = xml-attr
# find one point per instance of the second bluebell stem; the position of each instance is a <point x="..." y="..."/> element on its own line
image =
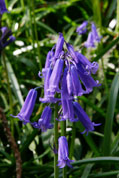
<point x="63" y="133"/>
<point x="56" y="173"/>
<point x="72" y="141"/>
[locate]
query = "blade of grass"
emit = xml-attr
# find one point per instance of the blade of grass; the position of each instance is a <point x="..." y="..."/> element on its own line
<point x="106" y="49"/>
<point x="69" y="34"/>
<point x="104" y="174"/>
<point x="14" y="82"/>
<point x="28" y="141"/>
<point x="87" y="170"/>
<point x="117" y="26"/>
<point x="110" y="115"/>
<point x="108" y="159"/>
<point x="115" y="144"/>
<point x="111" y="9"/>
<point x="97" y="12"/>
<point x="89" y="141"/>
<point x="93" y="106"/>
<point x="45" y="26"/>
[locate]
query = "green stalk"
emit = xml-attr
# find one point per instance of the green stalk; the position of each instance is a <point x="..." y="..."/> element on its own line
<point x="97" y="12"/>
<point x="63" y="128"/>
<point x="9" y="91"/>
<point x="22" y="4"/>
<point x="117" y="26"/>
<point x="30" y="26"/>
<point x="6" y="3"/>
<point x="105" y="79"/>
<point x="36" y="35"/>
<point x="63" y="133"/>
<point x="56" y="142"/>
<point x="72" y="141"/>
<point x="98" y="21"/>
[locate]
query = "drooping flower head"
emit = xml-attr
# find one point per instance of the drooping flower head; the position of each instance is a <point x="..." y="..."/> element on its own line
<point x="84" y="119"/>
<point x="93" y="36"/>
<point x="66" y="101"/>
<point x="27" y="108"/>
<point x="67" y="73"/>
<point x="86" y="64"/>
<point x="96" y="37"/>
<point x="90" y="43"/>
<point x="6" y="37"/>
<point x="55" y="77"/>
<point x="59" y="45"/>
<point x="82" y="28"/>
<point x="3" y="8"/>
<point x="63" y="153"/>
<point x="87" y="81"/>
<point x="44" y="122"/>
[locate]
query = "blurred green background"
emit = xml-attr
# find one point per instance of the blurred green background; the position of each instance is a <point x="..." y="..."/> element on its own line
<point x="36" y="24"/>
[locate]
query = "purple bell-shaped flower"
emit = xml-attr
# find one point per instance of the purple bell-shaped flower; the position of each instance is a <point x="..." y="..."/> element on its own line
<point x="44" y="122"/>
<point x="84" y="119"/>
<point x="82" y="28"/>
<point x="27" y="108"/>
<point x="3" y="8"/>
<point x="6" y="37"/>
<point x="63" y="153"/>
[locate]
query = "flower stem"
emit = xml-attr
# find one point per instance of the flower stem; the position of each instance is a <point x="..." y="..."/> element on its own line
<point x="6" y="3"/>
<point x="63" y="133"/>
<point x="9" y="90"/>
<point x="72" y="141"/>
<point x="98" y="21"/>
<point x="97" y="12"/>
<point x="36" y="34"/>
<point x="63" y="128"/>
<point x="22" y="4"/>
<point x="30" y="27"/>
<point x="117" y="26"/>
<point x="56" y="142"/>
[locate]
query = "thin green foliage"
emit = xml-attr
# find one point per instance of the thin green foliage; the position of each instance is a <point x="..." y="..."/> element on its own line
<point x="110" y="115"/>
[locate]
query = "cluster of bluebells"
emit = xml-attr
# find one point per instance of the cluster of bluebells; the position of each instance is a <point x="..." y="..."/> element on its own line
<point x="6" y="35"/>
<point x="93" y="36"/>
<point x="67" y="74"/>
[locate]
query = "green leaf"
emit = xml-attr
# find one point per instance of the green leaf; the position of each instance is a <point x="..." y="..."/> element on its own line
<point x="97" y="12"/>
<point x="89" y="103"/>
<point x="69" y="34"/>
<point x="41" y="24"/>
<point x="33" y="82"/>
<point x="87" y="171"/>
<point x="89" y="141"/>
<point x="28" y="141"/>
<point x="14" y="82"/>
<point x="2" y="96"/>
<point x="6" y="155"/>
<point x="108" y="159"/>
<point x="110" y="114"/>
<point x="106" y="49"/>
<point x="111" y="9"/>
<point x="115" y="144"/>
<point x="105" y="174"/>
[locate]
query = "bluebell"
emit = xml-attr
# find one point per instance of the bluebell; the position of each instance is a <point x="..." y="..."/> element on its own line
<point x="63" y="153"/>
<point x="3" y="8"/>
<point x="6" y="37"/>
<point x="82" y="28"/>
<point x="28" y="106"/>
<point x="84" y="119"/>
<point x="44" y="122"/>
